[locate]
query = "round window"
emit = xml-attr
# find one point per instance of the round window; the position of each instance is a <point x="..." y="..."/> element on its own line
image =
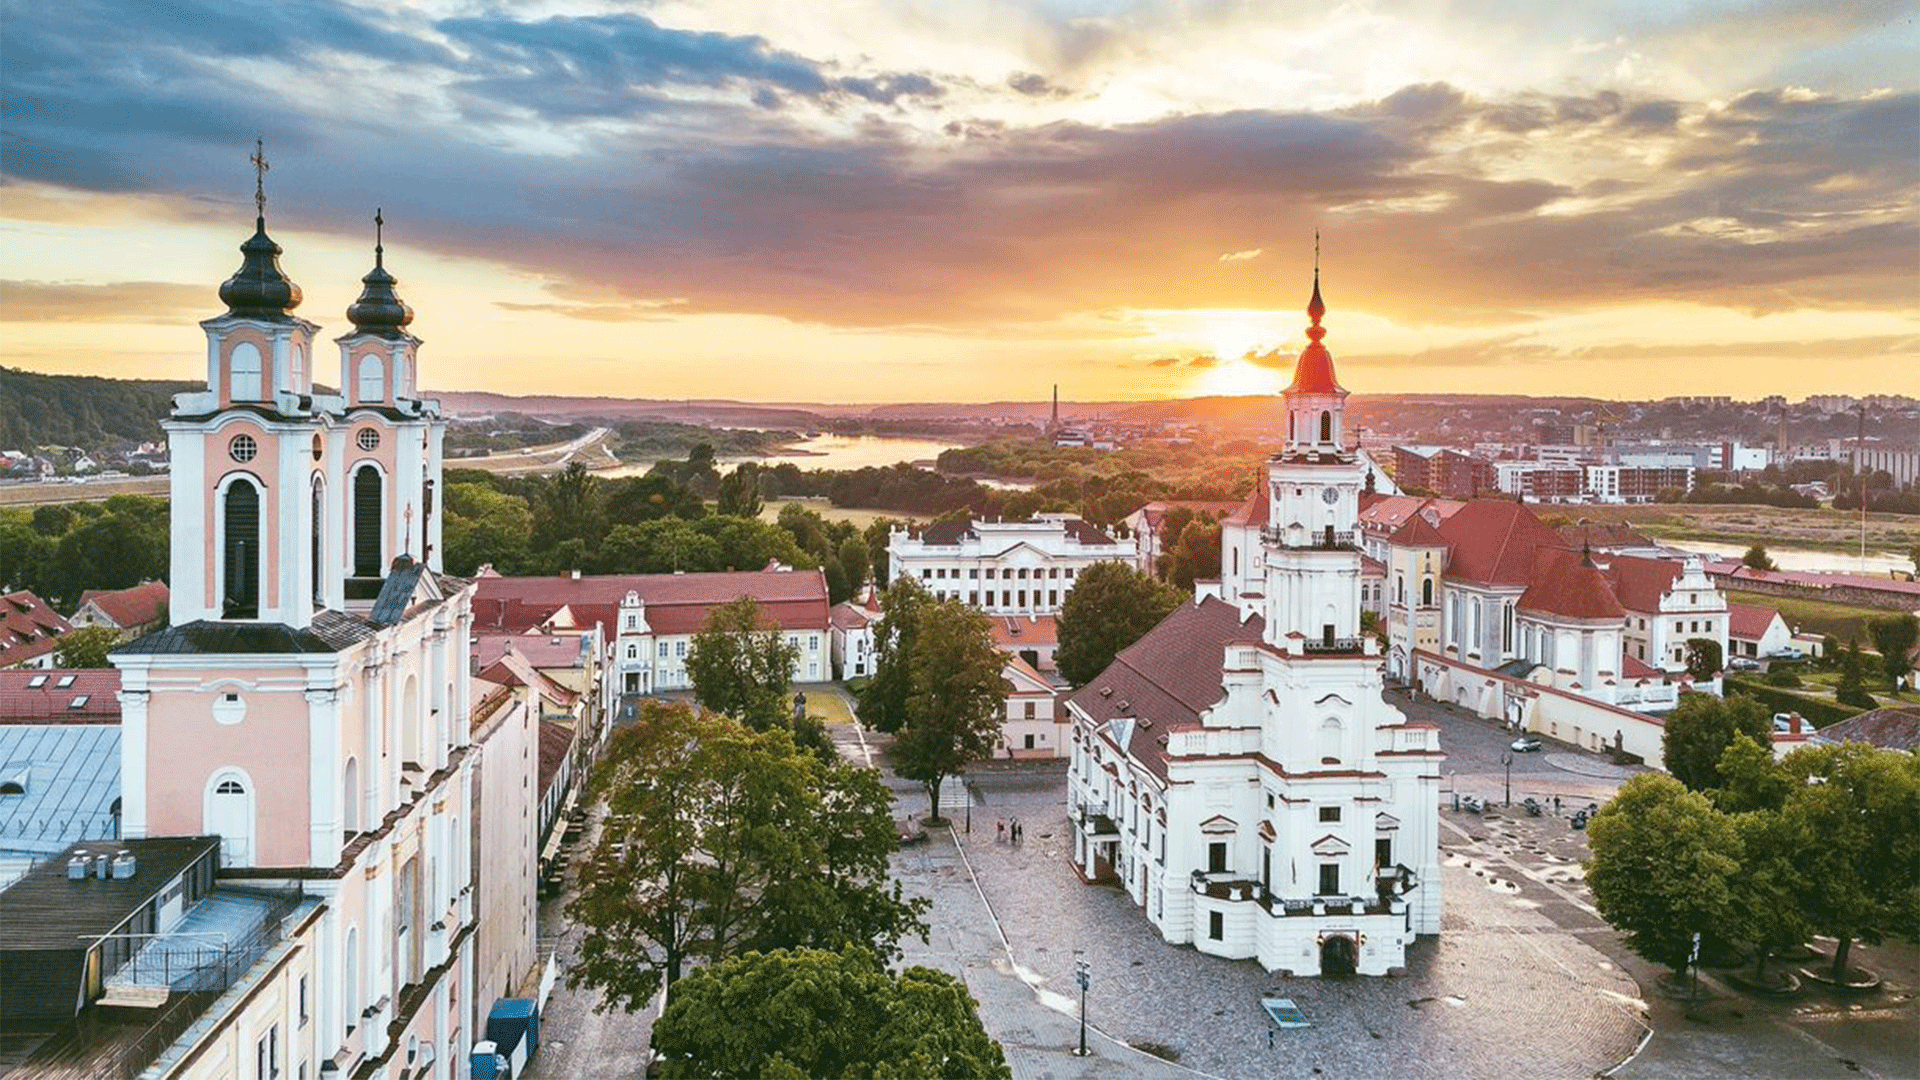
<point x="243" y="448"/>
<point x="368" y="438"/>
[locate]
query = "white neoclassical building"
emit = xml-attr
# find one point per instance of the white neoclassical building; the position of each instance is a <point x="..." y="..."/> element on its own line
<point x="1237" y="770"/>
<point x="1004" y="567"/>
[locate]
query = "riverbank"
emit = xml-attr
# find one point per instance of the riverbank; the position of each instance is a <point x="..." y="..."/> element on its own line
<point x="1838" y="531"/>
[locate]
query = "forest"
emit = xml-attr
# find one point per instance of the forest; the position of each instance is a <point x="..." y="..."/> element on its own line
<point x="78" y="410"/>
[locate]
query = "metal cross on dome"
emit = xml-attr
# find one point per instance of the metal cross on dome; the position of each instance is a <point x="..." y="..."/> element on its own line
<point x="260" y="168"/>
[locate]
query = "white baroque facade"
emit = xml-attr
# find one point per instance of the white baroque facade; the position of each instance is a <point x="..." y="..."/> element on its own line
<point x="1004" y="567"/>
<point x="1237" y="770"/>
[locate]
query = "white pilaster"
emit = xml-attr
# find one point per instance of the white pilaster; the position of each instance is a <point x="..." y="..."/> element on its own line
<point x="325" y="814"/>
<point x="133" y="763"/>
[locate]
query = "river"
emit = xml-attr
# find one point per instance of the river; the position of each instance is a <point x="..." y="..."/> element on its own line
<point x="834" y="452"/>
<point x="1876" y="564"/>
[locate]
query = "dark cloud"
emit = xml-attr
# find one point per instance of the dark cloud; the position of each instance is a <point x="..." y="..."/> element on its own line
<point x="1163" y="361"/>
<point x="121" y="301"/>
<point x="679" y="163"/>
<point x="1033" y="84"/>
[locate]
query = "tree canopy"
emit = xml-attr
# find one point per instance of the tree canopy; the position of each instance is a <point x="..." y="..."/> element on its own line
<point x="1703" y="658"/>
<point x="1894" y="637"/>
<point x="941" y="684"/>
<point x="1699" y="730"/>
<point x="1757" y="558"/>
<point x="718" y="841"/>
<point x="1663" y="867"/>
<point x="86" y="647"/>
<point x="795" y="1014"/>
<point x="1110" y="607"/>
<point x="742" y="667"/>
<point x="61" y="551"/>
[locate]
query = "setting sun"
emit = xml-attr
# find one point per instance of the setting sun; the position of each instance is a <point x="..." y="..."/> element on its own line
<point x="1236" y="378"/>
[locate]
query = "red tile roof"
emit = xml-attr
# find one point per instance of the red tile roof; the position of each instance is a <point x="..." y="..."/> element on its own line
<point x="1388" y="512"/>
<point x="556" y="742"/>
<point x="1635" y="668"/>
<point x="1417" y="533"/>
<point x="675" y="603"/>
<point x="1603" y="535"/>
<point x="1011" y="632"/>
<point x="1566" y="584"/>
<point x="543" y="651"/>
<point x="1896" y="727"/>
<point x="1749" y="621"/>
<point x="38" y="697"/>
<point x="847" y="615"/>
<point x="1493" y="542"/>
<point x="1639" y="583"/>
<point x="129" y="608"/>
<point x="1255" y="511"/>
<point x="512" y="669"/>
<point x="1169" y="677"/>
<point x="28" y="628"/>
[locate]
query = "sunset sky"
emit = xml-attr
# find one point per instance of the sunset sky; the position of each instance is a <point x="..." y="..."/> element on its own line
<point x="971" y="199"/>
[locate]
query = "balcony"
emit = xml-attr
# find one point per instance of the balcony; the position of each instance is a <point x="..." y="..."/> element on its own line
<point x="1334" y="645"/>
<point x="1232" y="887"/>
<point x="1324" y="540"/>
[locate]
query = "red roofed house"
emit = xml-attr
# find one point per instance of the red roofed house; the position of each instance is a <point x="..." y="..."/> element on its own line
<point x="1668" y="602"/>
<point x="29" y="630"/>
<point x="852" y="624"/>
<point x="131" y="611"/>
<point x="1756" y="631"/>
<point x="1145" y="524"/>
<point x="649" y="620"/>
<point x="1237" y="771"/>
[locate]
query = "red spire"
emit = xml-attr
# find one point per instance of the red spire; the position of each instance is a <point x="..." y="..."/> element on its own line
<point x="1314" y="372"/>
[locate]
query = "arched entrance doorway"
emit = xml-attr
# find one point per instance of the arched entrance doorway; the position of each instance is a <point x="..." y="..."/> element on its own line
<point x="1337" y="955"/>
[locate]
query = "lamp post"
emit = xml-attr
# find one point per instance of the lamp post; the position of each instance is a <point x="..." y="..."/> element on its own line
<point x="1081" y="976"/>
<point x="1506" y="759"/>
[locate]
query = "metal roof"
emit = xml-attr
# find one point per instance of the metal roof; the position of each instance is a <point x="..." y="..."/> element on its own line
<point x="330" y="631"/>
<point x="71" y="777"/>
<point x="47" y="910"/>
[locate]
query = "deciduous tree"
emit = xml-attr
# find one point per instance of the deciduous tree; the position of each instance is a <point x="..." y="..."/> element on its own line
<point x="1111" y="606"/>
<point x="1663" y="865"/>
<point x="719" y="840"/>
<point x="742" y="666"/>
<point x="1703" y="658"/>
<point x="1894" y="636"/>
<point x="883" y="704"/>
<point x="86" y="647"/>
<point x="956" y="699"/>
<point x="1852" y="688"/>
<point x="1699" y="729"/>
<point x="739" y="493"/>
<point x="793" y="1014"/>
<point x="1758" y="559"/>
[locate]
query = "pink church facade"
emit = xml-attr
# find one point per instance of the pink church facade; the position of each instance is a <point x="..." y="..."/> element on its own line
<point x="309" y="700"/>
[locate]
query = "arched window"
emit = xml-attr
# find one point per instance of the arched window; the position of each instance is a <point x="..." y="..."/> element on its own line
<point x="410" y="733"/>
<point x="319" y="541"/>
<point x="367" y="506"/>
<point x="240" y="562"/>
<point x="1326" y="427"/>
<point x="350" y="796"/>
<point x="296" y="369"/>
<point x="371" y="376"/>
<point x="1332" y="734"/>
<point x="350" y="985"/>
<point x="1426" y="591"/>
<point x="229" y="815"/>
<point x="243" y="372"/>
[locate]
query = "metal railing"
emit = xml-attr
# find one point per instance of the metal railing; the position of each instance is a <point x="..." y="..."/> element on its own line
<point x="1334" y="645"/>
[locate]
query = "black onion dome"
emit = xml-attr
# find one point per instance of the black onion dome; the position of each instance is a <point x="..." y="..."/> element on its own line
<point x="379" y="310"/>
<point x="260" y="289"/>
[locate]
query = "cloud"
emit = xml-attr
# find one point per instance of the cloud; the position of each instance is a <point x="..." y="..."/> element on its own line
<point x="1241" y="256"/>
<point x="119" y="302"/>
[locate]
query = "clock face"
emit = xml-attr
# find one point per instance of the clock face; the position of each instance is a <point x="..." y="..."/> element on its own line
<point x="1329" y="496"/>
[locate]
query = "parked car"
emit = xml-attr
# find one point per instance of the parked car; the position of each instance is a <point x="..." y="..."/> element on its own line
<point x="1524" y="746"/>
<point x="1744" y="663"/>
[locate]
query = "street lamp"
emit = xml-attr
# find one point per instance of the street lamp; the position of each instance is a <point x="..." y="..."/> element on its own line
<point x="1081" y="976"/>
<point x="1506" y="759"/>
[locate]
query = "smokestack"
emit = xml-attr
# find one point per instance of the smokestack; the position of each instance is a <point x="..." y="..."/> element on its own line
<point x="1055" y="424"/>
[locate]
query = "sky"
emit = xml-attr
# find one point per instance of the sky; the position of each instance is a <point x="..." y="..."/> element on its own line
<point x="970" y="201"/>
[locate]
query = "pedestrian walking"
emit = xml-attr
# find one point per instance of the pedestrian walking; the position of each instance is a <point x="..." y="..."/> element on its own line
<point x="1016" y="831"/>
<point x="1556" y="804"/>
<point x="999" y="829"/>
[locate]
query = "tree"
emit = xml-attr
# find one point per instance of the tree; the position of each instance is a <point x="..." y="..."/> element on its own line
<point x="883" y="703"/>
<point x="1770" y="883"/>
<point x="1195" y="557"/>
<point x="1663" y="865"/>
<point x="1914" y="554"/>
<point x="742" y="666"/>
<point x="792" y="1014"/>
<point x="571" y="510"/>
<point x="1757" y="558"/>
<point x="86" y="647"/>
<point x="115" y="550"/>
<point x="956" y="699"/>
<point x="633" y="499"/>
<point x="854" y="562"/>
<point x="1699" y="729"/>
<point x="1858" y="810"/>
<point x="1110" y="607"/>
<point x="1852" y="688"/>
<point x="740" y="491"/>
<point x="1894" y="637"/>
<point x="1703" y="658"/>
<point x="720" y="840"/>
<point x="484" y="526"/>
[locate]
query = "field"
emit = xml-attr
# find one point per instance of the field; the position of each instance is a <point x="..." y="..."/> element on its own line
<point x="1827" y="530"/>
<point x="860" y="518"/>
<point x="1815" y="616"/>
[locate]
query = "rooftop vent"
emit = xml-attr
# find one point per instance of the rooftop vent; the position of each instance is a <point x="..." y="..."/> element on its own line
<point x="103" y="867"/>
<point x="123" y="865"/>
<point x="77" y="868"/>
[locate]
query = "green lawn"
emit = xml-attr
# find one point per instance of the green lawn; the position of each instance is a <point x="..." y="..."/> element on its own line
<point x="829" y="706"/>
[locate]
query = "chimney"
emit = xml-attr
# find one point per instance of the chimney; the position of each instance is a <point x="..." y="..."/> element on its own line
<point x="77" y="868"/>
<point x="574" y="574"/>
<point x="1793" y="723"/>
<point x="123" y="865"/>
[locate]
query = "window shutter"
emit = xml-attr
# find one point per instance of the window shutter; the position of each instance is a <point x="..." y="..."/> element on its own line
<point x="242" y="554"/>
<point x="366" y="522"/>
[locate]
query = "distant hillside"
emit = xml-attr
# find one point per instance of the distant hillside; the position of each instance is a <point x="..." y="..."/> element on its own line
<point x="469" y="403"/>
<point x="80" y="410"/>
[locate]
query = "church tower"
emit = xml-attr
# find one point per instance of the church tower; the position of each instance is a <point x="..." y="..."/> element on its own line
<point x="242" y="450"/>
<point x="1310" y="552"/>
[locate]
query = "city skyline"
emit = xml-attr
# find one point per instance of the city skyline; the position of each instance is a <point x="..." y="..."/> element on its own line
<point x="905" y="202"/>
